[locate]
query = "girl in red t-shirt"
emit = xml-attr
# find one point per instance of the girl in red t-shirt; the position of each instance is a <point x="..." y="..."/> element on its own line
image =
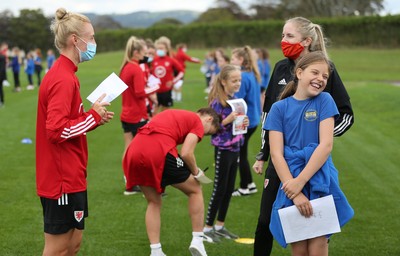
<point x="163" y="68"/>
<point x="134" y="110"/>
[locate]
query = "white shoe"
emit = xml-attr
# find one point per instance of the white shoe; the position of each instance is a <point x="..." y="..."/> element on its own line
<point x="241" y="192"/>
<point x="197" y="250"/>
<point x="252" y="188"/>
<point x="6" y="83"/>
<point x="158" y="253"/>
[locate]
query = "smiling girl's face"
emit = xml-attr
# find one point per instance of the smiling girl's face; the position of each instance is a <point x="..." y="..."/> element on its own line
<point x="232" y="84"/>
<point x="312" y="80"/>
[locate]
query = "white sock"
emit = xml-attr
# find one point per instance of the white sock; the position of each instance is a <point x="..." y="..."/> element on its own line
<point x="173" y="95"/>
<point x="197" y="238"/>
<point x="205" y="229"/>
<point x="156" y="248"/>
<point x="178" y="96"/>
<point x="218" y="227"/>
<point x="198" y="234"/>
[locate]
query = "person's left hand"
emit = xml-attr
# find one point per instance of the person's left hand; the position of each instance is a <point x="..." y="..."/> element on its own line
<point x="303" y="205"/>
<point x="246" y="121"/>
<point x="99" y="106"/>
<point x="201" y="177"/>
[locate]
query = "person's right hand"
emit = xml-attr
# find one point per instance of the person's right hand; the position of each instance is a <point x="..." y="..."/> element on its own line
<point x="292" y="187"/>
<point x="153" y="98"/>
<point x="232" y="117"/>
<point x="303" y="205"/>
<point x="258" y="166"/>
<point x="100" y="107"/>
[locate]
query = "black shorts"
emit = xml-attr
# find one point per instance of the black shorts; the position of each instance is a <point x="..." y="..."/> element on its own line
<point x="66" y="213"/>
<point x="175" y="171"/>
<point x="165" y="99"/>
<point x="132" y="128"/>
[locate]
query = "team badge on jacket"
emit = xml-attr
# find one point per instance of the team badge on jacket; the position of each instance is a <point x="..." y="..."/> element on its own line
<point x="266" y="181"/>
<point x="160" y="71"/>
<point x="78" y="215"/>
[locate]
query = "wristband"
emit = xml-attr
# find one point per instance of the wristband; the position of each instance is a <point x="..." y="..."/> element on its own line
<point x="200" y="173"/>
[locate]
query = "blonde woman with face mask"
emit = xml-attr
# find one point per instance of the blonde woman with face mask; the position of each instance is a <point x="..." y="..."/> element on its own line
<point x="61" y="145"/>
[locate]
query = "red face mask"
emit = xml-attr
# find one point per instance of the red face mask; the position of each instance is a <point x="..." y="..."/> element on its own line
<point x="291" y="51"/>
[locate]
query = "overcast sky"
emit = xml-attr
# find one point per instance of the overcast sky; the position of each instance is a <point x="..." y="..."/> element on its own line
<point x="127" y="6"/>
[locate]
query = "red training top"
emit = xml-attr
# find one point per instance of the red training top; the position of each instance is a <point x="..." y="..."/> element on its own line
<point x="134" y="97"/>
<point x="62" y="123"/>
<point x="144" y="159"/>
<point x="163" y="68"/>
<point x="182" y="57"/>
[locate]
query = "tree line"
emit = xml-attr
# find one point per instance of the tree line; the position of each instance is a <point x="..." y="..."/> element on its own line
<point x="283" y="9"/>
<point x="31" y="30"/>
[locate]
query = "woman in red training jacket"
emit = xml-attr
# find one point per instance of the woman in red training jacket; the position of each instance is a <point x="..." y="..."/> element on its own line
<point x="61" y="146"/>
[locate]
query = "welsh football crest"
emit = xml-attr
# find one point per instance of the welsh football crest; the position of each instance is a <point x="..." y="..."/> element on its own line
<point x="266" y="181"/>
<point x="78" y="215"/>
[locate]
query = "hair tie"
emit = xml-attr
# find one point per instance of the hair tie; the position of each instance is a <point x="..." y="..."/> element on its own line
<point x="65" y="14"/>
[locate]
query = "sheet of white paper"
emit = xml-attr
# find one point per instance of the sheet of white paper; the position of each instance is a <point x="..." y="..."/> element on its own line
<point x="324" y="221"/>
<point x="238" y="126"/>
<point x="112" y="86"/>
<point x="240" y="106"/>
<point x="153" y="81"/>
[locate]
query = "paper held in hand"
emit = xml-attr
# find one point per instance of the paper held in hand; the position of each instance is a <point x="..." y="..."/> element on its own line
<point x="112" y="86"/>
<point x="324" y="220"/>
<point x="240" y="106"/>
<point x="153" y="84"/>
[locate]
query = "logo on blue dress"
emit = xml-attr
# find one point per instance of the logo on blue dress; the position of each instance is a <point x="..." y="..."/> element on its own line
<point x="310" y="115"/>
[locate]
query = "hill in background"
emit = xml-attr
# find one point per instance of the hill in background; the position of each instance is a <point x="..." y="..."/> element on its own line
<point x="144" y="19"/>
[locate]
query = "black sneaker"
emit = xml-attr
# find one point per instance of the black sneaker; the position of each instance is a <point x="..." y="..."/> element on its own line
<point x="132" y="191"/>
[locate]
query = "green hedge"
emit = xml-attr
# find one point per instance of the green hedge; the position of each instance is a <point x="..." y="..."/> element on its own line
<point x="374" y="31"/>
